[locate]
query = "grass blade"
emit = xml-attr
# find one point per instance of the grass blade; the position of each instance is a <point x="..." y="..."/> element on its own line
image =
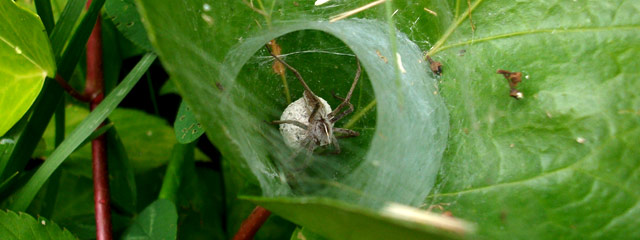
<point x="62" y="31"/>
<point x="26" y="194"/>
<point x="43" y="7"/>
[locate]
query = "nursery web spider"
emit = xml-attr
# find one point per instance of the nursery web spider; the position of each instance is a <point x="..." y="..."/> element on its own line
<point x="316" y="118"/>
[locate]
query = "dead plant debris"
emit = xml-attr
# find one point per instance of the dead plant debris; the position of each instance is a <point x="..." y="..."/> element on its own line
<point x="513" y="78"/>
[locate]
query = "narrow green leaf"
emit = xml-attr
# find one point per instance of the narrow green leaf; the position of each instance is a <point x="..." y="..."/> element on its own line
<point x="124" y="15"/>
<point x="45" y="13"/>
<point x="101" y="130"/>
<point x="71" y="55"/>
<point x="25" y="60"/>
<point x="68" y="20"/>
<point x="200" y="197"/>
<point x="186" y="127"/>
<point x="21" y="226"/>
<point x="181" y="155"/>
<point x="25" y="195"/>
<point x="354" y="222"/>
<point x="122" y="182"/>
<point x="158" y="221"/>
<point x="43" y="109"/>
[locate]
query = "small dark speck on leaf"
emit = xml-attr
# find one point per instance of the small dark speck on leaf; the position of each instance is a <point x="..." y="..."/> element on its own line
<point x="503" y="216"/>
<point x="462" y="52"/>
<point x="219" y="85"/>
<point x="184" y="130"/>
<point x="182" y="117"/>
<point x="194" y="131"/>
<point x="199" y="126"/>
<point x="436" y="67"/>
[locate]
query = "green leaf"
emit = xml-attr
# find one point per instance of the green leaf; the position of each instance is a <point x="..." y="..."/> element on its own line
<point x="25" y="60"/>
<point x="201" y="204"/>
<point x="352" y="222"/>
<point x="304" y="234"/>
<point x="560" y="163"/>
<point x="168" y="88"/>
<point x="563" y="161"/>
<point x="146" y="138"/>
<point x="23" y="226"/>
<point x="62" y="31"/>
<point x="186" y="127"/>
<point x="126" y="18"/>
<point x="26" y="194"/>
<point x="158" y="221"/>
<point x="181" y="155"/>
<point x="234" y="117"/>
<point x="122" y="184"/>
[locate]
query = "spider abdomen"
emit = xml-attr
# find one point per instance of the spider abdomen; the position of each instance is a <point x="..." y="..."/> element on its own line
<point x="296" y="137"/>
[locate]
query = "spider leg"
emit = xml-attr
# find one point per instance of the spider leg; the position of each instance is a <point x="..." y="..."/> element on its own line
<point x="336" y="145"/>
<point x="344" y="113"/>
<point x="345" y="133"/>
<point x="293" y="122"/>
<point x="316" y="107"/>
<point x="346" y="100"/>
<point x="295" y="72"/>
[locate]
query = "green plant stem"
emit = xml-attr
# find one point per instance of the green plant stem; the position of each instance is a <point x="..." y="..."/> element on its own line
<point x="152" y="95"/>
<point x="182" y="155"/>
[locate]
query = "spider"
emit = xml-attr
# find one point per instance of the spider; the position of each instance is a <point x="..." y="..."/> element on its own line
<point x="315" y="118"/>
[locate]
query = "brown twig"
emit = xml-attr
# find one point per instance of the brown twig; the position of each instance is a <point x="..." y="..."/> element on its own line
<point x="69" y="89"/>
<point x="95" y="87"/>
<point x="252" y="224"/>
<point x="473" y="26"/>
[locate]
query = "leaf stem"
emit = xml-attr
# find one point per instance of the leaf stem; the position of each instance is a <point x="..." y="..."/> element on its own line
<point x="69" y="89"/>
<point x="451" y="29"/>
<point x="252" y="224"/>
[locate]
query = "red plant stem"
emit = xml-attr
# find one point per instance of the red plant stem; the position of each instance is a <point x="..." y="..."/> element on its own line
<point x="78" y="96"/>
<point x="94" y="87"/>
<point x="252" y="224"/>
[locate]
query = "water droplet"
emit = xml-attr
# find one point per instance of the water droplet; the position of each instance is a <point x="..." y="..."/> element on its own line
<point x="526" y="77"/>
<point x="18" y="50"/>
<point x="206" y="7"/>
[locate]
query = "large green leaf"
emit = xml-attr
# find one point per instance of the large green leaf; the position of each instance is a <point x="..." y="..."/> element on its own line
<point x="26" y="59"/>
<point x="158" y="221"/>
<point x="23" y="226"/>
<point x="125" y="17"/>
<point x="352" y="222"/>
<point x="561" y="162"/>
